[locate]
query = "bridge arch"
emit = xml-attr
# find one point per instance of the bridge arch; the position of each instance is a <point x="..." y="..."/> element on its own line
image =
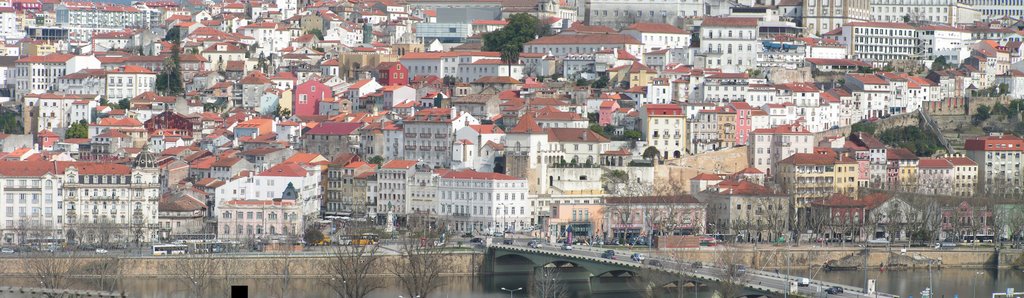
<point x="514" y="259"/>
<point x="618" y="273"/>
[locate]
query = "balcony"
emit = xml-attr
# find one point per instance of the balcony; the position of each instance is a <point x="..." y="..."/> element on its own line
<point x="460" y="215"/>
<point x="425" y="135"/>
<point x="410" y="147"/>
<point x="440" y="135"/>
<point x="440" y="148"/>
<point x="410" y="135"/>
<point x="424" y="148"/>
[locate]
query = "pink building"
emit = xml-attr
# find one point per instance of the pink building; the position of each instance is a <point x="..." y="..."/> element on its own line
<point x="743" y="119"/>
<point x="308" y="96"/>
<point x="605" y="112"/>
<point x="261" y="220"/>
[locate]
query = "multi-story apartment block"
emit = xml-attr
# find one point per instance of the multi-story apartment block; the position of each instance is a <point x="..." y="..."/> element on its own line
<point x="657" y="36"/>
<point x="614" y="13"/>
<point x="947" y="176"/>
<point x="269" y="185"/>
<point x="39" y="74"/>
<point x="429" y="134"/>
<point x="879" y="43"/>
<point x="565" y="44"/>
<point x="729" y="43"/>
<point x="812" y="176"/>
<point x="927" y="11"/>
<point x="822" y="16"/>
<point x="128" y="82"/>
<point x="394" y="180"/>
<point x="769" y="146"/>
<point x="999" y="163"/>
<point x="484" y="202"/>
<point x="85" y="18"/>
<point x="664" y="128"/>
<point x="735" y="205"/>
<point x="994" y="9"/>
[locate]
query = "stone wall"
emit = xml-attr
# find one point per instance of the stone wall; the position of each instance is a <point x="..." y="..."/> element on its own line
<point x="241" y="266"/>
<point x="909" y="119"/>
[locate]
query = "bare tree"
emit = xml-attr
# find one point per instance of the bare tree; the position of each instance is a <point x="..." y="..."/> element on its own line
<point x="731" y="276"/>
<point x="418" y="268"/>
<point x="546" y="284"/>
<point x="108" y="272"/>
<point x="350" y="270"/>
<point x="197" y="272"/>
<point x="52" y="271"/>
<point x="283" y="267"/>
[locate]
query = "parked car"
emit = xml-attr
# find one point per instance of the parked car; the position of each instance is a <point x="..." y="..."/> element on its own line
<point x="740" y="270"/>
<point x="654" y="263"/>
<point x="804" y="282"/>
<point x="476" y="240"/>
<point x="499" y="234"/>
<point x="534" y="244"/>
<point x="608" y="255"/>
<point x="834" y="290"/>
<point x="101" y="251"/>
<point x="697" y="265"/>
<point x="7" y="250"/>
<point x="637" y="257"/>
<point x="508" y="242"/>
<point x="566" y="246"/>
<point x="467" y="235"/>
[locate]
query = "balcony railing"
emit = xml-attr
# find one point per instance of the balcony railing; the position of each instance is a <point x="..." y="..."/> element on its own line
<point x="440" y="135"/>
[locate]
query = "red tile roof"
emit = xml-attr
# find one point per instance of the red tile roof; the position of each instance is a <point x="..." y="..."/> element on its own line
<point x="285" y="170"/>
<point x="656" y="28"/>
<point x="399" y="164"/>
<point x="729" y="22"/>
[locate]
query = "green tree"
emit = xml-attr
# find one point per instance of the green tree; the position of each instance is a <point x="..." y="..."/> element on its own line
<point x="981" y="114"/>
<point x="78" y="130"/>
<point x="169" y="81"/>
<point x="124" y="104"/>
<point x="601" y="82"/>
<point x="312" y="235"/>
<point x="598" y="129"/>
<point x="632" y="135"/>
<point x="1004" y="89"/>
<point x="10" y="123"/>
<point x="651" y="153"/>
<point x="913" y="138"/>
<point x="173" y="34"/>
<point x="509" y="40"/>
<point x="1000" y="109"/>
<point x="939" y="63"/>
<point x="316" y="32"/>
<point x="376" y="159"/>
<point x="582" y="82"/>
<point x="864" y="126"/>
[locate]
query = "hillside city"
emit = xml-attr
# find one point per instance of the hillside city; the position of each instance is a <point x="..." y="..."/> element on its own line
<point x="588" y="122"/>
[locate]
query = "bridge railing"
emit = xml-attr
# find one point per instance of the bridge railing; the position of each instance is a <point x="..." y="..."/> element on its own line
<point x="683" y="268"/>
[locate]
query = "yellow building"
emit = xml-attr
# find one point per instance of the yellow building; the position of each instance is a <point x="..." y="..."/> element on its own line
<point x="812" y="176"/>
<point x="902" y="166"/>
<point x="637" y="74"/>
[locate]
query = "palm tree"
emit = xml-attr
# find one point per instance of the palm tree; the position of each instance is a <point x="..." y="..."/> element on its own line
<point x="509" y="55"/>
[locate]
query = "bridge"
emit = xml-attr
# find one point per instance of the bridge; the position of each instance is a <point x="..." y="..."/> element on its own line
<point x="611" y="277"/>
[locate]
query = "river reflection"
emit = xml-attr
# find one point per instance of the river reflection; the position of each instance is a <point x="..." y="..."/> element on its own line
<point x="947" y="283"/>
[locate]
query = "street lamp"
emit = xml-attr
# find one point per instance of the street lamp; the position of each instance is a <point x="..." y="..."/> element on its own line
<point x="510" y="291"/>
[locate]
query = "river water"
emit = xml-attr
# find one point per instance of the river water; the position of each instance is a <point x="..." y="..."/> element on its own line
<point x="948" y="283"/>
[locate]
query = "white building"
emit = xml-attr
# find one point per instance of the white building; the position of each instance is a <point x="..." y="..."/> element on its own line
<point x="771" y="145"/>
<point x="128" y="82"/>
<point x="270" y="184"/>
<point x="729" y="43"/>
<point x="86" y="18"/>
<point x="564" y="44"/>
<point x="657" y="36"/>
<point x="39" y="74"/>
<point x="56" y="112"/>
<point x="879" y="43"/>
<point x="821" y="16"/>
<point x="484" y="202"/>
<point x="260" y="220"/>
<point x="928" y="11"/>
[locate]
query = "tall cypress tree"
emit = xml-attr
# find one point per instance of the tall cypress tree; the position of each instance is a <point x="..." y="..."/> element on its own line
<point x="169" y="82"/>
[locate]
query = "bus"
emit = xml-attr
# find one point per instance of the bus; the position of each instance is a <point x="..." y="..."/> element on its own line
<point x="365" y="239"/>
<point x="169" y="249"/>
